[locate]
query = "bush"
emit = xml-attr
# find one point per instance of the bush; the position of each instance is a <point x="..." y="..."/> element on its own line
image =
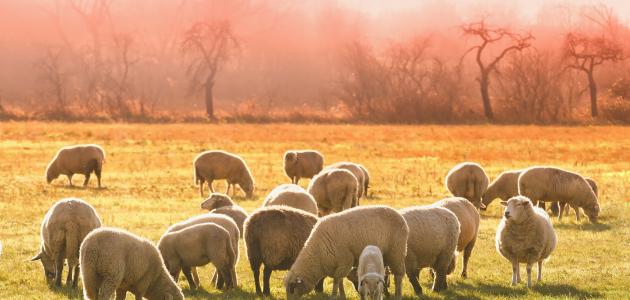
<point x="616" y="110"/>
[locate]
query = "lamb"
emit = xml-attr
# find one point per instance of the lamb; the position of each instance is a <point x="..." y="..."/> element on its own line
<point x="116" y="260"/>
<point x="197" y="246"/>
<point x="211" y="165"/>
<point x="469" y="220"/>
<point x="222" y="220"/>
<point x="64" y="227"/>
<point x="78" y="159"/>
<point x="334" y="190"/>
<point x="274" y="236"/>
<point x="504" y="187"/>
<point x="525" y="235"/>
<point x="292" y="195"/>
<point x="357" y="171"/>
<point x="371" y="272"/>
<point x="433" y="236"/>
<point x="554" y="184"/>
<point x="336" y="242"/>
<point x="222" y="204"/>
<point x="302" y="164"/>
<point x="366" y="179"/>
<point x="468" y="180"/>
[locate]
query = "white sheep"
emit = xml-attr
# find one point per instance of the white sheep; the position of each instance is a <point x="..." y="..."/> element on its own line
<point x="291" y="195"/>
<point x="114" y="260"/>
<point x="334" y="190"/>
<point x="504" y="187"/>
<point x="525" y="235"/>
<point x="212" y="165"/>
<point x="302" y="164"/>
<point x="64" y="227"/>
<point x="371" y="273"/>
<point x="468" y="180"/>
<point x="336" y="242"/>
<point x="219" y="203"/>
<point x="358" y="173"/>
<point x="78" y="159"/>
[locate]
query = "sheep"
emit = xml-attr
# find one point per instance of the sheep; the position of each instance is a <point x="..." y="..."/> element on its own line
<point x="222" y="204"/>
<point x="366" y="179"/>
<point x="116" y="260"/>
<point x="334" y="190"/>
<point x="468" y="180"/>
<point x="302" y="164"/>
<point x="504" y="187"/>
<point x="336" y="242"/>
<point x="274" y="236"/>
<point x="222" y="220"/>
<point x="593" y="185"/>
<point x="78" y="159"/>
<point x="469" y="220"/>
<point x="433" y="236"/>
<point x="64" y="227"/>
<point x="358" y="173"/>
<point x="554" y="184"/>
<point x="371" y="272"/>
<point x="197" y="246"/>
<point x="292" y="195"/>
<point x="525" y="235"/>
<point x="216" y="164"/>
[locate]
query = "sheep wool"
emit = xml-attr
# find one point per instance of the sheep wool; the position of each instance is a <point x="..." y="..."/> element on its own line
<point x="334" y="190"/>
<point x="291" y="195"/>
<point x="78" y="159"/>
<point x="504" y="187"/>
<point x="302" y="164"/>
<point x="358" y="173"/>
<point x="215" y="165"/>
<point x="371" y="273"/>
<point x="468" y="180"/>
<point x="219" y="203"/>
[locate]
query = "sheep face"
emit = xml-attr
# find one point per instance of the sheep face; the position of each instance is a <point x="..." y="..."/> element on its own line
<point x="51" y="173"/>
<point x="296" y="286"/>
<point x="290" y="158"/>
<point x="248" y="188"/>
<point x="371" y="287"/>
<point x="48" y="263"/>
<point x="518" y="209"/>
<point x="592" y="212"/>
<point x="216" y="200"/>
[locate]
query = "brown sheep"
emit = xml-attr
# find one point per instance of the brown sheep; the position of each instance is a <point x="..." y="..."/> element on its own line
<point x="78" y="159"/>
<point x="334" y="190"/>
<point x="219" y="203"/>
<point x="302" y="164"/>
<point x="213" y="165"/>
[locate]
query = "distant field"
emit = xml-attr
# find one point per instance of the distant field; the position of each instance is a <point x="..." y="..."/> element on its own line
<point x="149" y="185"/>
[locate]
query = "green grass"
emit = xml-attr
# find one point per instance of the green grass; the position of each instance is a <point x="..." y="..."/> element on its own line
<point x="148" y="186"/>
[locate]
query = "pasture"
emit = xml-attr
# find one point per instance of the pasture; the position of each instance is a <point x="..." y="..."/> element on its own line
<point x="148" y="185"/>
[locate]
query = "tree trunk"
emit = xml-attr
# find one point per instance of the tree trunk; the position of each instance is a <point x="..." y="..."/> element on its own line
<point x="485" y="96"/>
<point x="592" y="86"/>
<point x="209" y="98"/>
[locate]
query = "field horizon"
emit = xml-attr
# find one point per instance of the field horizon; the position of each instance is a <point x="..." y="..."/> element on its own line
<point x="148" y="185"/>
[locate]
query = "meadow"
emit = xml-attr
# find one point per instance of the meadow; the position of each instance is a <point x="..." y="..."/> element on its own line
<point x="148" y="185"/>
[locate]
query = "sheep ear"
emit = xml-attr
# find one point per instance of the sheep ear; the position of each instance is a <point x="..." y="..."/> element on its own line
<point x="504" y="203"/>
<point x="37" y="257"/>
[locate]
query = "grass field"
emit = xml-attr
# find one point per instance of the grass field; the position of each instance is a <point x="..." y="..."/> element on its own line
<point x="148" y="186"/>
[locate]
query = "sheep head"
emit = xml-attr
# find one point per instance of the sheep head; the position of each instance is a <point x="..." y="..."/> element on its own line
<point x="517" y="209"/>
<point x="215" y="201"/>
<point x="371" y="286"/>
<point x="48" y="263"/>
<point x="296" y="286"/>
<point x="51" y="172"/>
<point x="592" y="212"/>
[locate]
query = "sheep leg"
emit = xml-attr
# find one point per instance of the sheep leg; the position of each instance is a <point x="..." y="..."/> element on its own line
<point x="97" y="171"/>
<point x="70" y="179"/>
<point x="467" y="253"/>
<point x="58" y="270"/>
<point x="227" y="189"/>
<point x="529" y="274"/>
<point x="266" y="277"/>
<point x="69" y="276"/>
<point x="121" y="294"/>
<point x="210" y="185"/>
<point x="75" y="281"/>
<point x="256" y="271"/>
<point x="189" y="277"/>
<point x="220" y="280"/>
<point x="87" y="179"/>
<point x="539" y="271"/>
<point x="577" y="213"/>
<point x="226" y="277"/>
<point x="439" y="283"/>
<point x="515" y="271"/>
<point x="342" y="292"/>
<point x="195" y="275"/>
<point x="335" y="288"/>
<point x="398" y="283"/>
<point x="319" y="287"/>
<point x="561" y="211"/>
<point x="297" y="179"/>
<point x="413" y="275"/>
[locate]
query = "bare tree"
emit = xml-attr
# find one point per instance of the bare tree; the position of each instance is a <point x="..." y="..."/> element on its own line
<point x="490" y="36"/>
<point x="211" y="46"/>
<point x="117" y="74"/>
<point x="54" y="77"/>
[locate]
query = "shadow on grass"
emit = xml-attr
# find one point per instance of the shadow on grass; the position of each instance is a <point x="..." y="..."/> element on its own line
<point x="236" y="293"/>
<point x="556" y="290"/>
<point x="67" y="291"/>
<point x="80" y="187"/>
<point x="597" y="227"/>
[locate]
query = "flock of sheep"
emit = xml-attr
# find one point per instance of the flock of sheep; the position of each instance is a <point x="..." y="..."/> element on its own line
<point x="314" y="233"/>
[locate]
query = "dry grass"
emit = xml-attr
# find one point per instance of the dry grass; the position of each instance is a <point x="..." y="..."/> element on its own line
<point x="148" y="181"/>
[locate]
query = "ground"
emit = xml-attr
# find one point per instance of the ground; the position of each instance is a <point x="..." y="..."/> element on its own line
<point x="148" y="185"/>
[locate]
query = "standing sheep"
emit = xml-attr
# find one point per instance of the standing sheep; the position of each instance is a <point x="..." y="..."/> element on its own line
<point x="302" y="164"/>
<point x="554" y="184"/>
<point x="78" y="159"/>
<point x="433" y="235"/>
<point x="219" y="203"/>
<point x="64" y="227"/>
<point x="336" y="242"/>
<point x="469" y="220"/>
<point x="525" y="235"/>
<point x="292" y="195"/>
<point x="274" y="237"/>
<point x="213" y="165"/>
<point x="371" y="272"/>
<point x="504" y="187"/>
<point x="116" y="260"/>
<point x="334" y="190"/>
<point x="358" y="173"/>
<point x="468" y="180"/>
<point x="197" y="246"/>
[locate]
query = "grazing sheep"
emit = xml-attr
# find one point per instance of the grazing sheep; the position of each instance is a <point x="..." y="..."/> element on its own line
<point x="334" y="190"/>
<point x="468" y="180"/>
<point x="292" y="195"/>
<point x="336" y="242"/>
<point x="469" y="220"/>
<point x="212" y="165"/>
<point x="197" y="246"/>
<point x="433" y="236"/>
<point x="219" y="203"/>
<point x="371" y="272"/>
<point x="220" y="219"/>
<point x="64" y="227"/>
<point x="504" y="187"/>
<point x="593" y="185"/>
<point x="113" y="260"/>
<point x="302" y="164"/>
<point x="366" y="179"/>
<point x="274" y="236"/>
<point x="78" y="159"/>
<point x="357" y="171"/>
<point x="525" y="235"/>
<point x="554" y="184"/>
